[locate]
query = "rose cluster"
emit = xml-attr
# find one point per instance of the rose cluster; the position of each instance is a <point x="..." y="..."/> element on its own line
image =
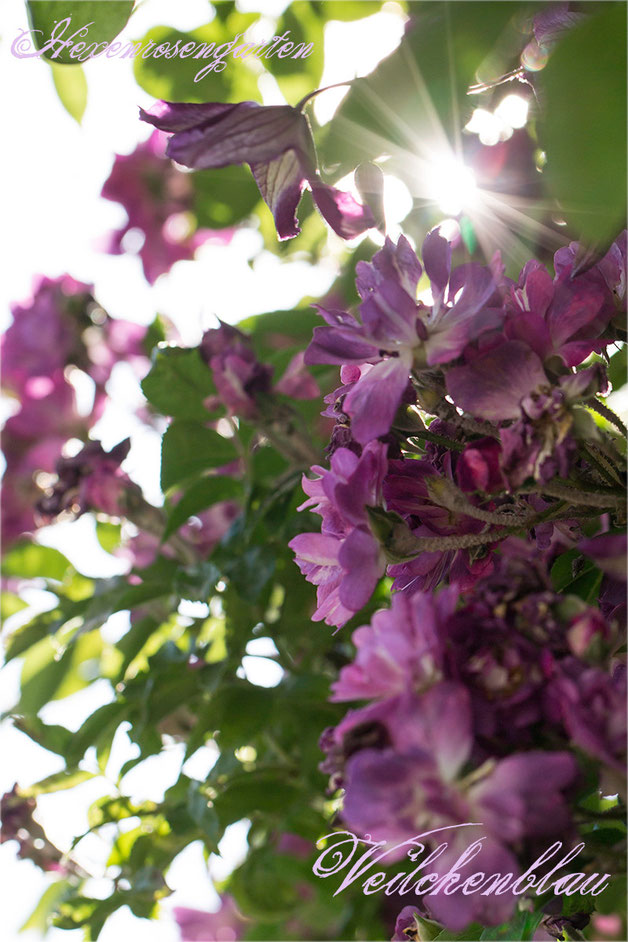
<point x="466" y="465"/>
<point x="159" y="202"/>
<point x="59" y="333"/>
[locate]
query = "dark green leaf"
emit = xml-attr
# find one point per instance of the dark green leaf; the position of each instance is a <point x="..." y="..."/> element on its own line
<point x="251" y="571"/>
<point x="616" y="370"/>
<point x="55" y="738"/>
<point x="203" y="494"/>
<point x="521" y="927"/>
<point x="584" y="95"/>
<point x="224" y="197"/>
<point x="239" y="711"/>
<point x="107" y="20"/>
<point x="189" y="449"/>
<point x="255" y="791"/>
<point x="176" y="78"/>
<point x="178" y="383"/>
<point x="196" y="583"/>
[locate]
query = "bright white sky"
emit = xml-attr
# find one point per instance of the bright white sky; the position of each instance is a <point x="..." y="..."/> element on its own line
<point x="53" y="222"/>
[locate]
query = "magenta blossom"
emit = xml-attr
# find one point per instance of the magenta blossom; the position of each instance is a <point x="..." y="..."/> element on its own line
<point x="402" y="649"/>
<point x="344" y="560"/>
<point x="240" y="378"/>
<point x="158" y="199"/>
<point x="407" y="493"/>
<point x="410" y="781"/>
<point x="90" y="480"/>
<point x="224" y="925"/>
<point x="238" y="374"/>
<point x="394" y="332"/>
<point x="566" y="316"/>
<point x="44" y="335"/>
<point x="592" y="706"/>
<point x="275" y="141"/>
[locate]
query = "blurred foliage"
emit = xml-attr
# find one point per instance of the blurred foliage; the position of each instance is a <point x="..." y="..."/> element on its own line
<point x="106" y="19"/>
<point x="588" y="70"/>
<point x="71" y="86"/>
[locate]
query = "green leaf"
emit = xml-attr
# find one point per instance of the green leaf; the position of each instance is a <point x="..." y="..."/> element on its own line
<point x="567" y="567"/>
<point x="39" y="920"/>
<point x="224" y="197"/>
<point x="521" y="927"/>
<point x="107" y="20"/>
<point x="613" y="898"/>
<point x="196" y="583"/>
<point x="203" y="494"/>
<point x="204" y="816"/>
<point x="470" y="934"/>
<point x="255" y="791"/>
<point x="418" y="94"/>
<point x="188" y="449"/>
<point x="250" y="572"/>
<point x="346" y="9"/>
<point x="239" y="711"/>
<point x="10" y="604"/>
<point x="298" y="77"/>
<point x="108" y="535"/>
<point x="617" y="368"/>
<point x="71" y="86"/>
<point x="265" y="886"/>
<point x="584" y="95"/>
<point x="58" y="782"/>
<point x="178" y="383"/>
<point x="54" y="738"/>
<point x="269" y="332"/>
<point x="102" y="723"/>
<point x="48" y="676"/>
<point x="174" y="78"/>
<point x="30" y="560"/>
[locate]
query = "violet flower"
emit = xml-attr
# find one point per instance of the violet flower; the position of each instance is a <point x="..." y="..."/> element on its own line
<point x="566" y="316"/>
<point x="394" y="332"/>
<point x="591" y="705"/>
<point x="238" y="374"/>
<point x="90" y="480"/>
<point x="409" y="781"/>
<point x="224" y="925"/>
<point x="240" y="378"/>
<point x="402" y="649"/>
<point x="406" y="491"/>
<point x="344" y="560"/>
<point x="44" y="334"/>
<point x="275" y="141"/>
<point x="158" y="200"/>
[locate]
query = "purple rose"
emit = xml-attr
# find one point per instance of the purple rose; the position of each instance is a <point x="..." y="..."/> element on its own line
<point x="224" y="925"/>
<point x="158" y="200"/>
<point x="393" y="324"/>
<point x="344" y="560"/>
